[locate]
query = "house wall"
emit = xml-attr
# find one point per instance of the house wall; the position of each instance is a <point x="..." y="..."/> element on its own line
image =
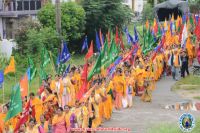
<point x="138" y="5"/>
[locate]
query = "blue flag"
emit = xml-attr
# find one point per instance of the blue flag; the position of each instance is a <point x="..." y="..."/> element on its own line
<point x="98" y="42"/>
<point x="131" y="39"/>
<point x="127" y="36"/>
<point x="85" y="44"/>
<point x="184" y="18"/>
<point x="65" y="55"/>
<point x="136" y="35"/>
<point x="66" y="71"/>
<point x="1" y="78"/>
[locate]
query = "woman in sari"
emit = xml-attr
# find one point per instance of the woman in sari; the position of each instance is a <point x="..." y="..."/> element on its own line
<point x="58" y="122"/>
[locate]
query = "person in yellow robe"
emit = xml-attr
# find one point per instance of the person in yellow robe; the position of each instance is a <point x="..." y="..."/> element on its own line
<point x="67" y="117"/>
<point x="37" y="104"/>
<point x="32" y="128"/>
<point x="59" y="89"/>
<point x="58" y="122"/>
<point x="85" y="113"/>
<point x="119" y="85"/>
<point x="130" y="85"/>
<point x="139" y="79"/>
<point x="71" y="88"/>
<point x="108" y="103"/>
<point x="148" y="78"/>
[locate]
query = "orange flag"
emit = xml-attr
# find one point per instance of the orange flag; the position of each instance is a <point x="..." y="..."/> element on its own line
<point x="24" y="86"/>
<point x="11" y="67"/>
<point x="90" y="51"/>
<point x="147" y="24"/>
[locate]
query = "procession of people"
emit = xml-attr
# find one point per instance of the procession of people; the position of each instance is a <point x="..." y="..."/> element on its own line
<point x="55" y="107"/>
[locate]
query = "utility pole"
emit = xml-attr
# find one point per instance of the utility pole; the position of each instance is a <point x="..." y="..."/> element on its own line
<point x="58" y="17"/>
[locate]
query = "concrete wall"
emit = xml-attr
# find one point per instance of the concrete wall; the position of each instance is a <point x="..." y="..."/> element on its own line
<point x="138" y="5"/>
<point x="54" y="1"/>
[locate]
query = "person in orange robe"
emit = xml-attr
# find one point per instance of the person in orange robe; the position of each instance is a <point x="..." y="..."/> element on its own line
<point x="2" y="117"/>
<point x="67" y="117"/>
<point x="119" y="85"/>
<point x="139" y="79"/>
<point x="32" y="128"/>
<point x="37" y="104"/>
<point x="58" y="122"/>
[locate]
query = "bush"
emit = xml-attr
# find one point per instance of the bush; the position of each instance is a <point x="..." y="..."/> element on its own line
<point x="147" y="12"/>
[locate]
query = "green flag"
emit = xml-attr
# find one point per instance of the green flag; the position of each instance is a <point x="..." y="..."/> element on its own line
<point x="45" y="58"/>
<point x="15" y="103"/>
<point x="104" y="53"/>
<point x="61" y="68"/>
<point x="43" y="74"/>
<point x="96" y="68"/>
<point x="113" y="54"/>
<point x="32" y="67"/>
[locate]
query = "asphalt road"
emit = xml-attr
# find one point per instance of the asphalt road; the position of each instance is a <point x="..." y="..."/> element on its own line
<point x="143" y="116"/>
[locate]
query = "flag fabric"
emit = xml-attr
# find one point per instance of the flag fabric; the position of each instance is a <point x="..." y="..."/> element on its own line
<point x="98" y="44"/>
<point x="65" y="55"/>
<point x="61" y="68"/>
<point x="24" y="118"/>
<point x="127" y="35"/>
<point x="32" y="69"/>
<point x="85" y="44"/>
<point x="116" y="36"/>
<point x="11" y="67"/>
<point x="155" y="27"/>
<point x="1" y="79"/>
<point x="101" y="37"/>
<point x="147" y="24"/>
<point x="83" y="88"/>
<point x="184" y="36"/>
<point x="24" y="85"/>
<point x="90" y="51"/>
<point x="15" y="103"/>
<point x="96" y="68"/>
<point x="197" y="30"/>
<point x="136" y="37"/>
<point x="45" y="58"/>
<point x="104" y="53"/>
<point x="42" y="74"/>
<point x="66" y="71"/>
<point x="121" y="42"/>
<point x="131" y="39"/>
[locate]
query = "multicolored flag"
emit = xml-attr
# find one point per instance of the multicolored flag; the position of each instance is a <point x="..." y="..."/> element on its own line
<point x="184" y="36"/>
<point x="15" y="103"/>
<point x="11" y="67"/>
<point x="116" y="36"/>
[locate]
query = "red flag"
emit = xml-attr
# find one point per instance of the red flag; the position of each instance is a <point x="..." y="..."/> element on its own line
<point x="24" y="86"/>
<point x="83" y="88"/>
<point x="90" y="51"/>
<point x="117" y="36"/>
<point x="197" y="30"/>
<point x="24" y="117"/>
<point x="121" y="42"/>
<point x="108" y="37"/>
<point x="101" y="39"/>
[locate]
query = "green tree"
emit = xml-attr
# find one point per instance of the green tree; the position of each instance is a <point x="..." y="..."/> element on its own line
<point x="105" y="14"/>
<point x="72" y="19"/>
<point x="147" y="12"/>
<point x="24" y="26"/>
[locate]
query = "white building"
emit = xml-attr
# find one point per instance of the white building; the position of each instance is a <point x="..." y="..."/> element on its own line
<point x="135" y="5"/>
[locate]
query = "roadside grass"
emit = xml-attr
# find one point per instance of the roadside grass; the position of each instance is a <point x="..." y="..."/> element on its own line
<point x="12" y="79"/>
<point x="188" y="83"/>
<point x="197" y="97"/>
<point x="172" y="128"/>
